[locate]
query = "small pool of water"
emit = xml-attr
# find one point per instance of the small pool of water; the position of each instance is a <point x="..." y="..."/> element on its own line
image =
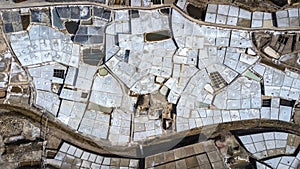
<point x="157" y="36"/>
<point x="195" y="12"/>
<point x="25" y="21"/>
<point x="165" y="11"/>
<point x="71" y="26"/>
<point x="280" y="3"/>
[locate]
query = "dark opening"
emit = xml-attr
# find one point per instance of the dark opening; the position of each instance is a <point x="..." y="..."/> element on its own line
<point x="289" y="103"/>
<point x="173" y="111"/>
<point x="71" y="26"/>
<point x="19" y="142"/>
<point x="30" y="166"/>
<point x="126" y="57"/>
<point x="190" y="140"/>
<point x="294" y="41"/>
<point x="59" y="73"/>
<point x="283" y="39"/>
<point x="170" y="145"/>
<point x="142" y="103"/>
<point x="165" y="11"/>
<point x="280" y="3"/>
<point x="165" y="122"/>
<point x="106" y="14"/>
<point x="116" y="40"/>
<point x="195" y="12"/>
<point x="84" y="95"/>
<point x="18" y="1"/>
<point x="16" y="89"/>
<point x="25" y="21"/>
<point x="142" y="163"/>
<point x="156" y="2"/>
<point x="262" y="88"/>
<point x="157" y="36"/>
<point x="134" y="14"/>
<point x="274" y="19"/>
<point x="266" y="103"/>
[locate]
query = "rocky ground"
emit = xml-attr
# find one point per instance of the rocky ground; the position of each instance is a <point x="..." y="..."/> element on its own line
<point x="20" y="141"/>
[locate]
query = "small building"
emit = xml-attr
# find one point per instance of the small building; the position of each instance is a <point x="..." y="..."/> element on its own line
<point x="271" y="52"/>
